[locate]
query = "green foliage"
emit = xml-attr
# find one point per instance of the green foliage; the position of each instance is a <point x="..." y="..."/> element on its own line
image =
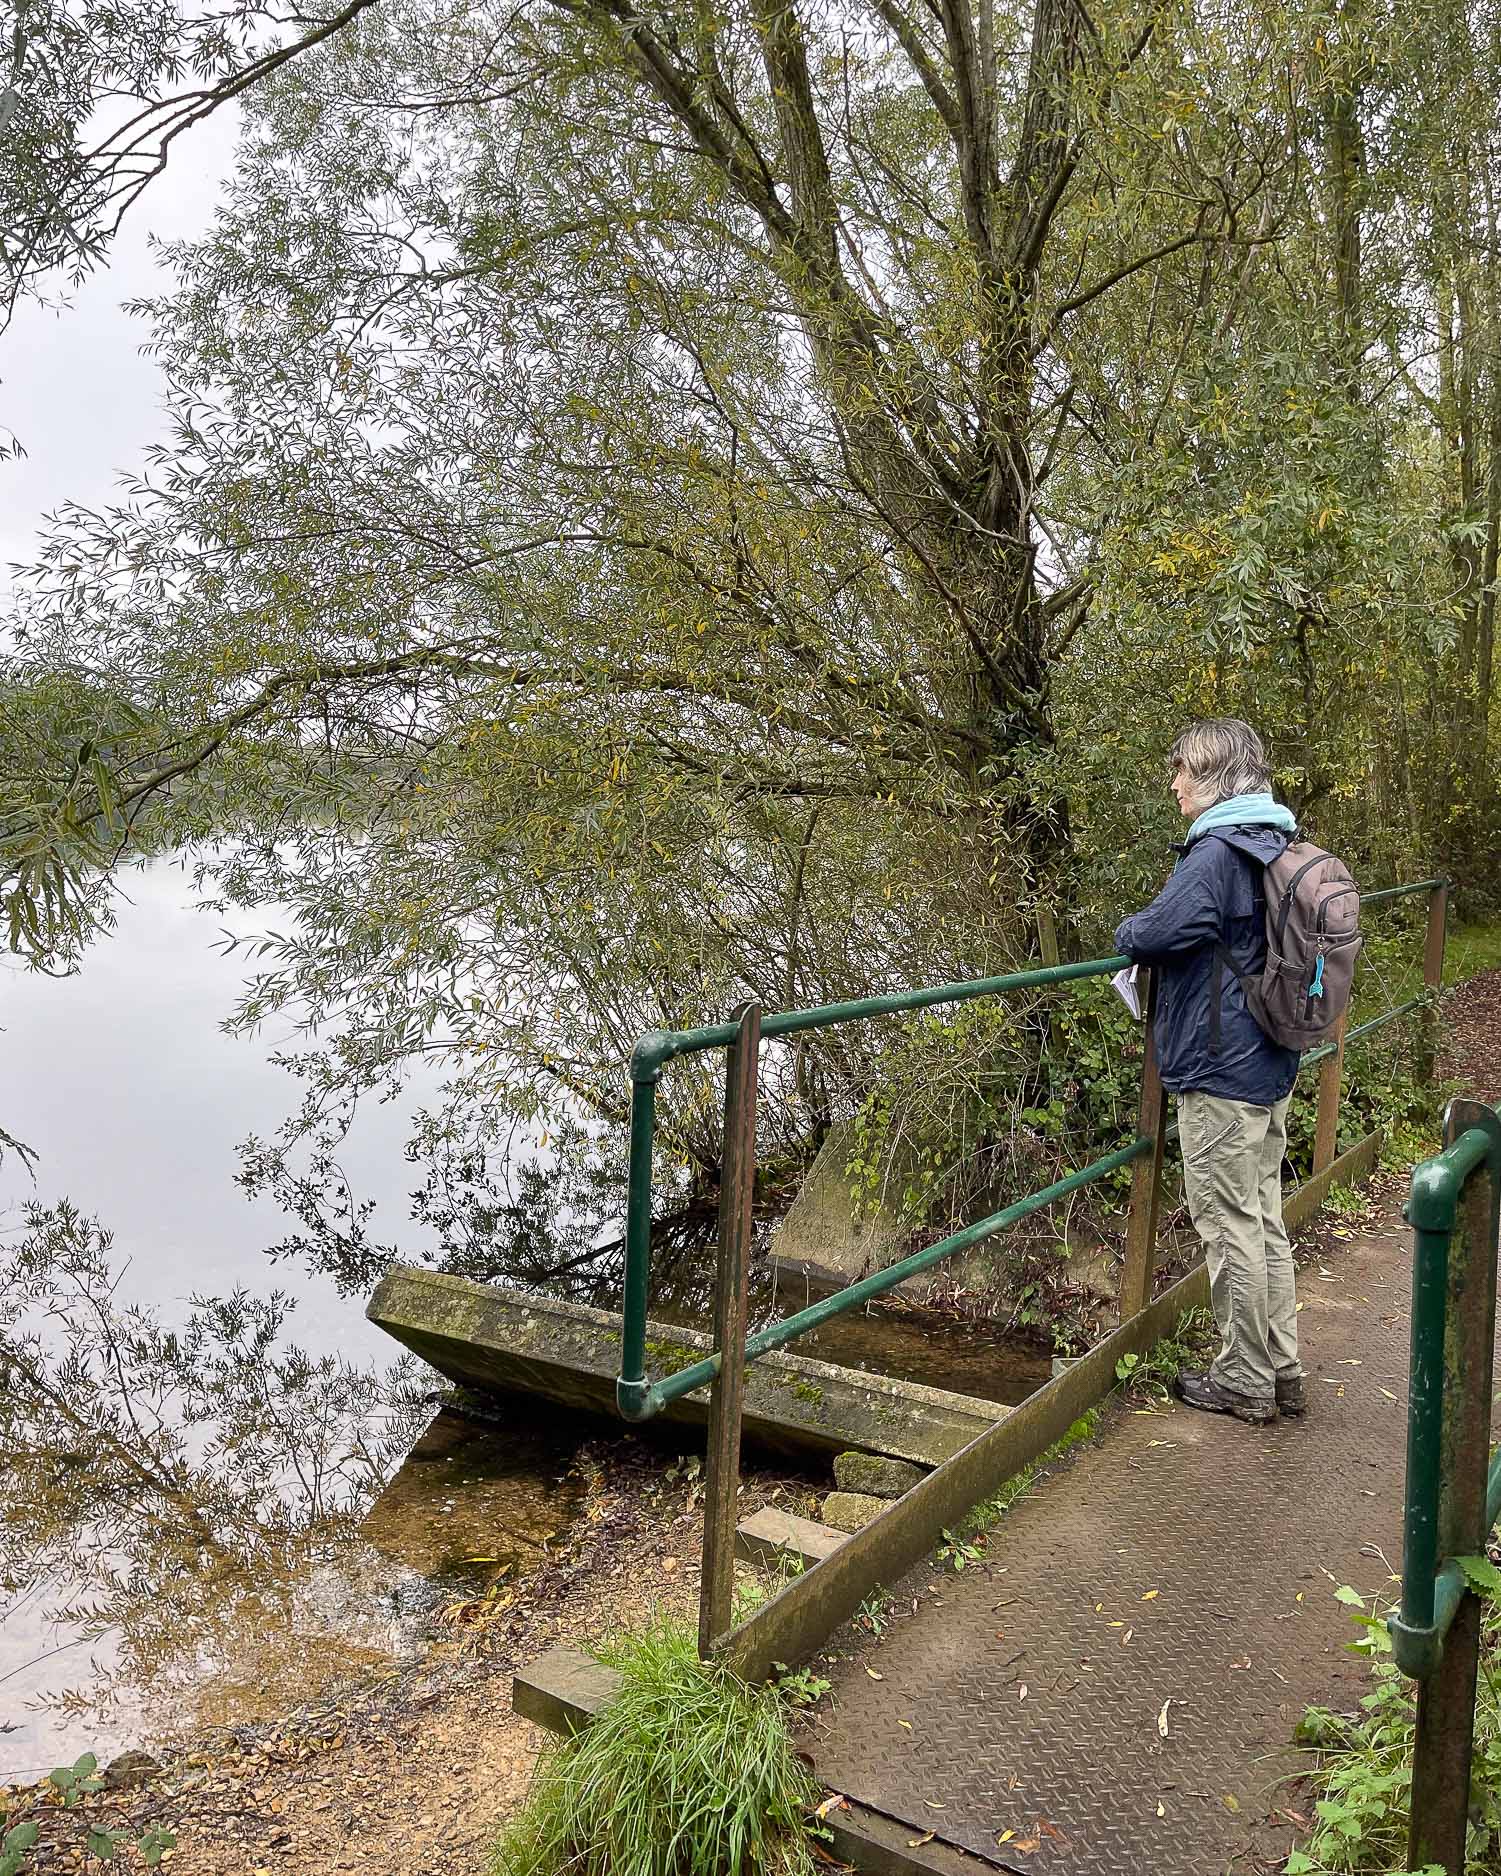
<point x="1363" y="1770"/>
<point x="874" y="1613"/>
<point x="1150" y="1377"/>
<point x="990" y="1511"/>
<point x="70" y="1786"/>
<point x="800" y="1687"/>
<point x="686" y="1768"/>
<point x="956" y="1552"/>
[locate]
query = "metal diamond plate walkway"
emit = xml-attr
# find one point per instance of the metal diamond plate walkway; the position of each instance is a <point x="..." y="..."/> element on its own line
<point x="1184" y="1562"/>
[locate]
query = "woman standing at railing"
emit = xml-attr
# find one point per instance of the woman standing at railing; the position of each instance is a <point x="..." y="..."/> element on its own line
<point x="1232" y="1082"/>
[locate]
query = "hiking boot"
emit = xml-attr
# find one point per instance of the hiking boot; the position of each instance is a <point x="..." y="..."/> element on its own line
<point x="1204" y="1392"/>
<point x="1291" y="1398"/>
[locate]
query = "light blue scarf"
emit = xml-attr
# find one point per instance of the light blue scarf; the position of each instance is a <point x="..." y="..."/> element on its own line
<point x="1244" y="811"/>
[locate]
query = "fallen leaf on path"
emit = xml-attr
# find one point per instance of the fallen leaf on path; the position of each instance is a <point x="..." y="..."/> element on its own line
<point x="1162" y="1718"/>
<point x="906" y="1723"/>
<point x="1161" y="1808"/>
<point x="1150" y="1594"/>
<point x="916" y="1843"/>
<point x="1242" y="1664"/>
<point x="1021" y="1692"/>
<point x="1127" y="1636"/>
<point x="836" y="1801"/>
<point x="1231" y="1803"/>
<point x="932" y="1806"/>
<point x="874" y="1676"/>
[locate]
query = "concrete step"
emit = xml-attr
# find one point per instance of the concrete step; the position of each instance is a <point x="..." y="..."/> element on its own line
<point x="773" y="1536"/>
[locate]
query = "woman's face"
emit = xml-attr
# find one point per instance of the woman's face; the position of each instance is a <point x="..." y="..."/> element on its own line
<point x="1186" y="793"/>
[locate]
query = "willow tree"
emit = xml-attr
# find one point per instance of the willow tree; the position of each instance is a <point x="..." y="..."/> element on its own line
<point x="637" y="476"/>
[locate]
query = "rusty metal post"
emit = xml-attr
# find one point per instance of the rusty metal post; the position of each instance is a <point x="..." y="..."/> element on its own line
<point x="1326" y="1124"/>
<point x="1146" y="1175"/>
<point x="731" y="1308"/>
<point x="1433" y="977"/>
<point x="1446" y="1699"/>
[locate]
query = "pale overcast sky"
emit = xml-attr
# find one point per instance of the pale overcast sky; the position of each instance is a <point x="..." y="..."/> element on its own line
<point x="73" y="384"/>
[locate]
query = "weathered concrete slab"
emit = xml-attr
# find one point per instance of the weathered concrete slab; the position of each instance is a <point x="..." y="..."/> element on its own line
<point x="508" y="1343"/>
<point x="821" y="1229"/>
<point x="771" y="1536"/>
<point x="564" y="1691"/>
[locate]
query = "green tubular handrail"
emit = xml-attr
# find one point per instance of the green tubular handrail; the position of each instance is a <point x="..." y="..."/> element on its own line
<point x="1431" y="1590"/>
<point x="640" y="1399"/>
<point x="779" y="1334"/>
<point x="1402" y="892"/>
<point x="635" y="1396"/>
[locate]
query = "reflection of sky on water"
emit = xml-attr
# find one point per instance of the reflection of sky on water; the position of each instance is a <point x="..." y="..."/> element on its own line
<point x="135" y="1101"/>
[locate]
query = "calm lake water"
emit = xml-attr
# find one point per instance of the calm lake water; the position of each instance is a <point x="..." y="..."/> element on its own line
<point x="123" y="1082"/>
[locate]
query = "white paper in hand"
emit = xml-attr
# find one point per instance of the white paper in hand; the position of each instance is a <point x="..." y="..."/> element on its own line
<point x="1125" y="984"/>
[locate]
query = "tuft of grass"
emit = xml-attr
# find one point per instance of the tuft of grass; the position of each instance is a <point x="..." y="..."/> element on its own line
<point x="1363" y="1772"/>
<point x="687" y="1772"/>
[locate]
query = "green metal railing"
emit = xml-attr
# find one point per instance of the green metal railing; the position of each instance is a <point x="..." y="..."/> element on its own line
<point x="640" y="1398"/>
<point x="1453" y="1497"/>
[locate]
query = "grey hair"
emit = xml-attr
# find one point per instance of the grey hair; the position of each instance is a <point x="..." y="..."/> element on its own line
<point x="1224" y="757"/>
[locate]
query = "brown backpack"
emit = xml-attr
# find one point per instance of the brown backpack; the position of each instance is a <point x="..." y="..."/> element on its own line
<point x="1312" y="942"/>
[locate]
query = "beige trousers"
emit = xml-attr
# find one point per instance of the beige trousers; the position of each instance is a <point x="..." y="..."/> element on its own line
<point x="1232" y="1169"/>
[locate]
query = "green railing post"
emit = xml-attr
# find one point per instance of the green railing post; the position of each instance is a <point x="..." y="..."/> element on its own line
<point x="731" y="1307"/>
<point x="1146" y="1176"/>
<point x="646" y="1067"/>
<point x="1446" y="1699"/>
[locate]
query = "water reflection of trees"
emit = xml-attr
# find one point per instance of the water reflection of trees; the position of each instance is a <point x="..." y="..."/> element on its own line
<point x="167" y="1484"/>
<point x="551" y="1223"/>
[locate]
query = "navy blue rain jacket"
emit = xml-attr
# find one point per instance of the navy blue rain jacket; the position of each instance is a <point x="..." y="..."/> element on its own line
<point x="1214" y="896"/>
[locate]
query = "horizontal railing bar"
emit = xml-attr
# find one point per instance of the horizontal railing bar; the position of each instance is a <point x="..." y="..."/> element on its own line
<point x="661" y="1045"/>
<point x="778" y="1334"/>
<point x="1401" y="892"/>
<point x="1387" y="1016"/>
